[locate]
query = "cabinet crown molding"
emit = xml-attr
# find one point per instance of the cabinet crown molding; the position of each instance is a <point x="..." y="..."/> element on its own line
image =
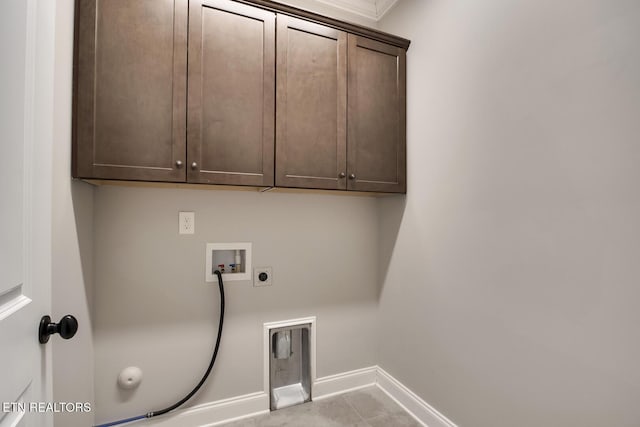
<point x="380" y="6"/>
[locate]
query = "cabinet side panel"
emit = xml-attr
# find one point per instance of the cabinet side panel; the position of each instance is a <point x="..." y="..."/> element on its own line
<point x="84" y="90"/>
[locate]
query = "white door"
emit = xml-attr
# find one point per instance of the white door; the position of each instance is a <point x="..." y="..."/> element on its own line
<point x="26" y="116"/>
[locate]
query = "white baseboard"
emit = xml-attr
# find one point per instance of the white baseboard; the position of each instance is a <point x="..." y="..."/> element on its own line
<point x="344" y="382"/>
<point x="426" y="414"/>
<point x="214" y="413"/>
<point x="248" y="405"/>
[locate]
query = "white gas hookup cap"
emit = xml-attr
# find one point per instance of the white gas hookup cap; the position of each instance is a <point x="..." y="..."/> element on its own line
<point x="130" y="377"/>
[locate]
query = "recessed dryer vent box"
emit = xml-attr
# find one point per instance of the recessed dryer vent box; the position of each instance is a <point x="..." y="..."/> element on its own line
<point x="230" y="257"/>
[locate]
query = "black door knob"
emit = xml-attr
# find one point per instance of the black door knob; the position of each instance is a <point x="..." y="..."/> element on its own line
<point x="67" y="328"/>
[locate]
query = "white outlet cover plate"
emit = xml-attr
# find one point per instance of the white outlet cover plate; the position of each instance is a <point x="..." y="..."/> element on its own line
<point x="256" y="272"/>
<point x="186" y="222"/>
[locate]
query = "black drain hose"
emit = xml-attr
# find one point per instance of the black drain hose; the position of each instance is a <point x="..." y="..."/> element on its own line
<point x="202" y="381"/>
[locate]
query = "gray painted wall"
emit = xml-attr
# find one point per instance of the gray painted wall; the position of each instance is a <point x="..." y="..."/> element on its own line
<point x="154" y="310"/>
<point x="512" y="268"/>
<point x="71" y="241"/>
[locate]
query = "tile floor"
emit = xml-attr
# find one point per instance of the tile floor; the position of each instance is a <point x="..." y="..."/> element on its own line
<point x="367" y="407"/>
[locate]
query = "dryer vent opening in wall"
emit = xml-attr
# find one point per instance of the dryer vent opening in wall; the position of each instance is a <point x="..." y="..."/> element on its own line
<point x="290" y="366"/>
<point x="232" y="259"/>
<point x="289" y="361"/>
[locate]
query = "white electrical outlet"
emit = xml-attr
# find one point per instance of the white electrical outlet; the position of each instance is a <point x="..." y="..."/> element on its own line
<point x="186" y="222"/>
<point x="262" y="276"/>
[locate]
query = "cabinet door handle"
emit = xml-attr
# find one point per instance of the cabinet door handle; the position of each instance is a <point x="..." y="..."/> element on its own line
<point x="342" y="175"/>
<point x="178" y="164"/>
<point x="352" y="176"/>
<point x="194" y="166"/>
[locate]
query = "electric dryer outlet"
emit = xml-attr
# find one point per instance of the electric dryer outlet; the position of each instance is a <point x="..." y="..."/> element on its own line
<point x="262" y="276"/>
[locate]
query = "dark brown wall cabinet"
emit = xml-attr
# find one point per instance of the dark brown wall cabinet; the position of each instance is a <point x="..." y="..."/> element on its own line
<point x="311" y="111"/>
<point x="131" y="82"/>
<point x="376" y="156"/>
<point x="331" y="117"/>
<point x="231" y="93"/>
<point x="321" y="142"/>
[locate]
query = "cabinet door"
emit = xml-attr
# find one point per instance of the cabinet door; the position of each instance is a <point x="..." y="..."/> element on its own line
<point x="231" y="93"/>
<point x="376" y="156"/>
<point x="130" y="94"/>
<point x="311" y="105"/>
